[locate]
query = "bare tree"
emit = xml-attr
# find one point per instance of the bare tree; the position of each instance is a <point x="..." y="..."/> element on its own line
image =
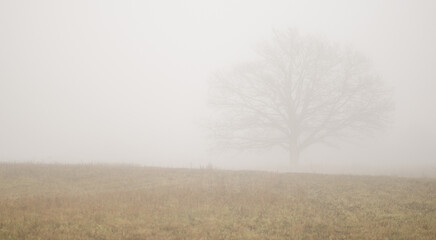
<point x="301" y="91"/>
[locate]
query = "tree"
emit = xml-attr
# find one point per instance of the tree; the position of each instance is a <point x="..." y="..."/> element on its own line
<point x="302" y="90"/>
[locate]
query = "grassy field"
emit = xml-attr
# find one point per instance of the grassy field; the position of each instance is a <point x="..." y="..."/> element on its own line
<point x="127" y="202"/>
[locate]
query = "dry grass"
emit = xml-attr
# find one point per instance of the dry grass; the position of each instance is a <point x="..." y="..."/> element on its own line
<point x="127" y="202"/>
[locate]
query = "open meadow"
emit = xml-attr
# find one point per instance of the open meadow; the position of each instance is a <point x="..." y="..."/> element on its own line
<point x="40" y="201"/>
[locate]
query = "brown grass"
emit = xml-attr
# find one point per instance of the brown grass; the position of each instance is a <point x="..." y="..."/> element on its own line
<point x="127" y="202"/>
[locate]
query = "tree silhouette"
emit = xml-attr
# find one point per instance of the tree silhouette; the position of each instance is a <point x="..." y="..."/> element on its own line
<point x="302" y="90"/>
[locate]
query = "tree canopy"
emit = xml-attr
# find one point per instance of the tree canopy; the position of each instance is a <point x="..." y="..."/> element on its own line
<point x="301" y="90"/>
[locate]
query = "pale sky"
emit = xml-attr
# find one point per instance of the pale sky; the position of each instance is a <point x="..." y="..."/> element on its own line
<point x="126" y="81"/>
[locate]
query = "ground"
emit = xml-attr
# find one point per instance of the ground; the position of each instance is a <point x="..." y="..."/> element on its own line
<point x="39" y="201"/>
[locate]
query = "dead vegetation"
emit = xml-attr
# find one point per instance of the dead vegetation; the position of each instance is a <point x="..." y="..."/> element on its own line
<point x="128" y="202"/>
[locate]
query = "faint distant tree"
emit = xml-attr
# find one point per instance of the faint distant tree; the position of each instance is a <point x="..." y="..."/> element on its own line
<point x="302" y="90"/>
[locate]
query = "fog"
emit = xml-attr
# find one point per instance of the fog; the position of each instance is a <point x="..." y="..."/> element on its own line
<point x="128" y="81"/>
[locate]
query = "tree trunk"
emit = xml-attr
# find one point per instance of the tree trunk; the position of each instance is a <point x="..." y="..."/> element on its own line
<point x="294" y="157"/>
<point x="294" y="151"/>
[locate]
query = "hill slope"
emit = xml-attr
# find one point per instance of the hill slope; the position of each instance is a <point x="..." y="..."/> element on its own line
<point x="127" y="202"/>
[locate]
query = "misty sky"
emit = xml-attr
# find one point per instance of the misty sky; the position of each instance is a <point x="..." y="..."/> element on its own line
<point x="127" y="81"/>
